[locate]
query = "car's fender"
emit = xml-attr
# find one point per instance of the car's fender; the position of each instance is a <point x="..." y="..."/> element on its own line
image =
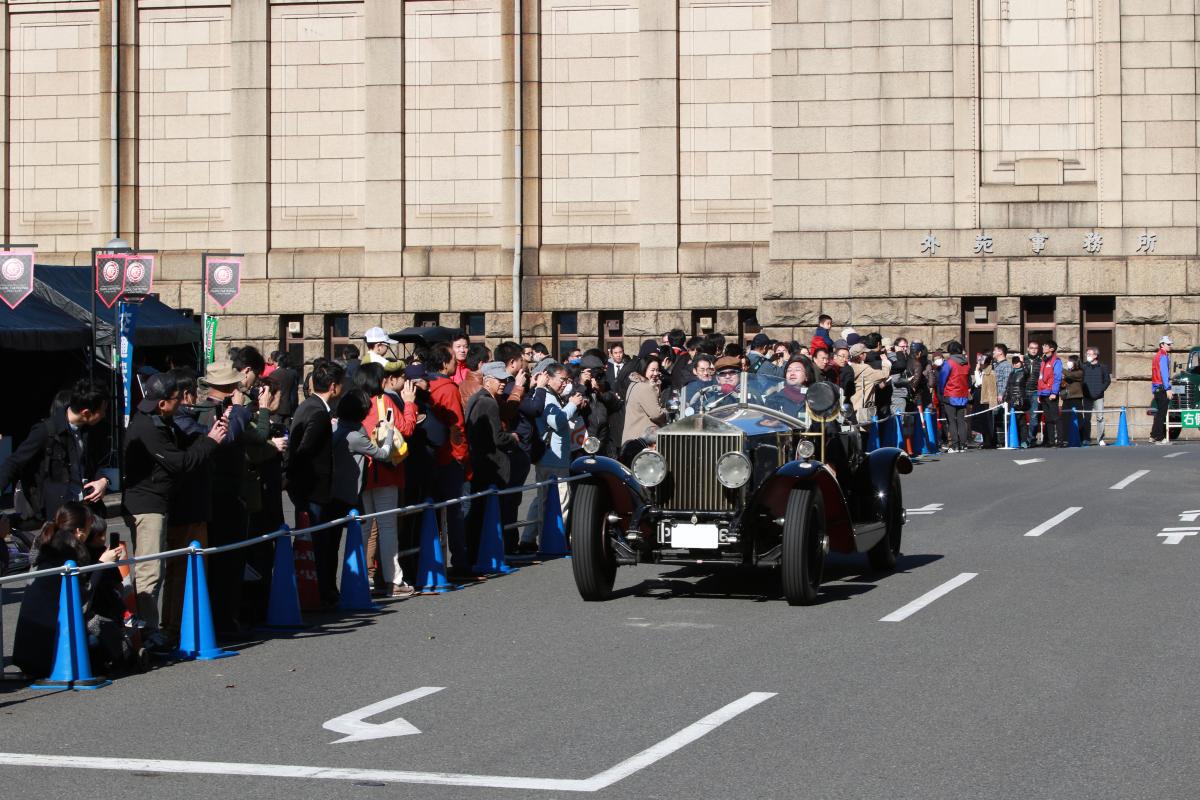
<point x="876" y="473"/>
<point x="772" y="497"/>
<point x="627" y="496"/>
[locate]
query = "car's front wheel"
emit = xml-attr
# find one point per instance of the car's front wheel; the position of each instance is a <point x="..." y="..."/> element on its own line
<point x="591" y="557"/>
<point x="803" y="550"/>
<point x="882" y="556"/>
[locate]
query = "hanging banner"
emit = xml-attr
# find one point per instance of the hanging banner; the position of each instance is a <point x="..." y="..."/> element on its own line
<point x="110" y="277"/>
<point x="16" y="276"/>
<point x="222" y="277"/>
<point x="139" y="273"/>
<point x="126" y="325"/>
<point x="210" y="339"/>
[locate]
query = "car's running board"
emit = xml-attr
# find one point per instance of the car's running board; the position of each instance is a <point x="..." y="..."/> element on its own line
<point x="868" y="535"/>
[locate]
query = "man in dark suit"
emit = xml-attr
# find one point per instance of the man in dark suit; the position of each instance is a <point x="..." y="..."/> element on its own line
<point x="310" y="470"/>
<point x="616" y="362"/>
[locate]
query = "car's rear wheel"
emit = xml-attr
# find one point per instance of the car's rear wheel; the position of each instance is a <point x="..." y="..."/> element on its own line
<point x="882" y="556"/>
<point x="591" y="557"/>
<point x="803" y="547"/>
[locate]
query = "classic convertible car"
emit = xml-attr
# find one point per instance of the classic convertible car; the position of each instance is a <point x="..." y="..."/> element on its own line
<point x="748" y="480"/>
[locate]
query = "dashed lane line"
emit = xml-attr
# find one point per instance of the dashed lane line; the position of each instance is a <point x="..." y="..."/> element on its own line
<point x="1123" y="483"/>
<point x="907" y="611"/>
<point x="1056" y="519"/>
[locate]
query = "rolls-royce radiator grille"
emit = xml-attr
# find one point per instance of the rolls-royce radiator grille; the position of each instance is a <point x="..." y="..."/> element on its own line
<point x="691" y="459"/>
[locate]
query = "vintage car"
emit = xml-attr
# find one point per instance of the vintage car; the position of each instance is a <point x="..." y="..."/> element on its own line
<point x="744" y="478"/>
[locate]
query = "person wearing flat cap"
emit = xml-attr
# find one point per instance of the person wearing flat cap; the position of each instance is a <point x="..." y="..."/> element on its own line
<point x="488" y="444"/>
<point x="156" y="462"/>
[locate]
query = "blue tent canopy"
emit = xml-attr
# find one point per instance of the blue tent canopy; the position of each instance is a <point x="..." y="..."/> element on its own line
<point x="37" y="325"/>
<point x="71" y="288"/>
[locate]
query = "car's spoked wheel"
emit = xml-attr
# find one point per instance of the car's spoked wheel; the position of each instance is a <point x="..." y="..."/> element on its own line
<point x="803" y="551"/>
<point x="591" y="558"/>
<point x="882" y="556"/>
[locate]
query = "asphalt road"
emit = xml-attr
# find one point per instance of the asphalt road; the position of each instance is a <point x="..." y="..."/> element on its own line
<point x="1063" y="669"/>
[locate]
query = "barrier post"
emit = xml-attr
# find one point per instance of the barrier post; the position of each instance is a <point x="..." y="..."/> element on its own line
<point x="491" y="540"/>
<point x="1123" y="432"/>
<point x="305" y="568"/>
<point x="72" y="665"/>
<point x="873" y="434"/>
<point x="918" y="439"/>
<point x="931" y="433"/>
<point x="197" y="639"/>
<point x="554" y="533"/>
<point x="431" y="564"/>
<point x="355" y="591"/>
<point x="283" y="606"/>
<point x="1073" y="438"/>
<point x="899" y="431"/>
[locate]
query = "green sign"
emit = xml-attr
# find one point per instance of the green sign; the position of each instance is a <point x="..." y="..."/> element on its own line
<point x="1190" y="418"/>
<point x="210" y="339"/>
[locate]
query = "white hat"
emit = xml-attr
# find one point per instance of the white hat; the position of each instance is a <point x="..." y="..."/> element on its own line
<point x="1166" y="340"/>
<point x="377" y="335"/>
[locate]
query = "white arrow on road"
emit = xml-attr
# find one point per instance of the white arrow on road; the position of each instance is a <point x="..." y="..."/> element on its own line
<point x="1175" y="535"/>
<point x="1020" y="462"/>
<point x="1176" y="455"/>
<point x="357" y="730"/>
<point x="1189" y="516"/>
<point x="932" y="508"/>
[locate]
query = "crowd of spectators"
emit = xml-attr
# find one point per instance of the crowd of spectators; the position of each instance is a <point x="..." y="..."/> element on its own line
<point x="210" y="457"/>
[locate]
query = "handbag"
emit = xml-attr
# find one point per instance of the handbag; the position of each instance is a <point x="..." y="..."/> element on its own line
<point x="385" y="424"/>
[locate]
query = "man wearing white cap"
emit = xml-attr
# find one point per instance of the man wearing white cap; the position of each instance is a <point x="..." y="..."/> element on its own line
<point x="378" y="346"/>
<point x="1160" y="384"/>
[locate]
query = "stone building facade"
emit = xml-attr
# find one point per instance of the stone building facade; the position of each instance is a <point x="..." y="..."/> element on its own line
<point x="977" y="169"/>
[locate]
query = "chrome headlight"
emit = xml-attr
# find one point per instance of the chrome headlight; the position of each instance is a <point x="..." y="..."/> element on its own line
<point x="804" y="449"/>
<point x="649" y="468"/>
<point x="733" y="470"/>
<point x="591" y="445"/>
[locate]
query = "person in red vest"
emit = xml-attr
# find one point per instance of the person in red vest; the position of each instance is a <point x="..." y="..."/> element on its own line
<point x="1160" y="384"/>
<point x="955" y="388"/>
<point x="1050" y="378"/>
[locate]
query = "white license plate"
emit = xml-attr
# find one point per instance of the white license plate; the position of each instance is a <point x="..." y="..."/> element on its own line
<point x="700" y="537"/>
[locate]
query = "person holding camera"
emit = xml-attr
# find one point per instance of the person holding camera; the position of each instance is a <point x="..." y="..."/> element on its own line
<point x="1016" y="394"/>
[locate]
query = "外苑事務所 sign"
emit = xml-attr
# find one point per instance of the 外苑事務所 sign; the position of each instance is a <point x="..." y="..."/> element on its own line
<point x="139" y="273"/>
<point x="1189" y="418"/>
<point x="110" y="277"/>
<point x="16" y="276"/>
<point x="222" y="278"/>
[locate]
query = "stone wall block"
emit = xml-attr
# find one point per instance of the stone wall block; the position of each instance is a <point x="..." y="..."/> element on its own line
<point x="827" y="279"/>
<point x="426" y="294"/>
<point x="290" y="297"/>
<point x="609" y="293"/>
<point x="381" y="294"/>
<point x="978" y="277"/>
<point x="588" y="323"/>
<point x="336" y="296"/>
<point x="1141" y="309"/>
<point x="472" y="295"/>
<point x="1193" y="276"/>
<point x="397" y="321"/>
<point x="563" y="294"/>
<point x="1134" y="365"/>
<point x="839" y="310"/>
<point x="1066" y="310"/>
<point x="1008" y="311"/>
<point x="773" y="313"/>
<point x="943" y="334"/>
<point x="655" y="293"/>
<point x="536" y="325"/>
<point x="262" y="326"/>
<point x="1157" y="276"/>
<point x="669" y="320"/>
<point x="1185" y="309"/>
<point x="922" y="278"/>
<point x="1010" y="336"/>
<point x="498" y="325"/>
<point x="360" y="323"/>
<point x="877" y="312"/>
<point x="1096" y="276"/>
<point x="775" y="280"/>
<point x="704" y="292"/>
<point x="638" y="325"/>
<point x="1037" y="276"/>
<point x="1130" y="337"/>
<point x="933" y="312"/>
<point x="870" y="278"/>
<point x="743" y="291"/>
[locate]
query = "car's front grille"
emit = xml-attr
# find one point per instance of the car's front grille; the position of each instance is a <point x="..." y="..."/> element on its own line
<point x="692" y="463"/>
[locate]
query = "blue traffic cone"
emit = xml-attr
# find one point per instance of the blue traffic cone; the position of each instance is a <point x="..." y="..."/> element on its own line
<point x="899" y="432"/>
<point x="1012" y="442"/>
<point x="283" y="607"/>
<point x="931" y="433"/>
<point x="491" y="540"/>
<point x="197" y="639"/>
<point x="1123" y="432"/>
<point x="72" y="665"/>
<point x="918" y="435"/>
<point x="431" y="566"/>
<point x="873" y="434"/>
<point x="554" y="534"/>
<point x="355" y="591"/>
<point x="1073" y="438"/>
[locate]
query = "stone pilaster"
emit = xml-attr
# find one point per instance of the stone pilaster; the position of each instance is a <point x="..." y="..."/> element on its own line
<point x="658" y="88"/>
<point x="249" y="131"/>
<point x="385" y="157"/>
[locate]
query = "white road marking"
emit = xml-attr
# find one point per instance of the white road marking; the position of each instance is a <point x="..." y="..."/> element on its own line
<point x="933" y="594"/>
<point x="1057" y="518"/>
<point x="1176" y="454"/>
<point x="932" y="508"/>
<point x="1175" y="535"/>
<point x="1189" y="516"/>
<point x="357" y="730"/>
<point x="600" y="780"/>
<point x="1020" y="462"/>
<point x="1122" y="484"/>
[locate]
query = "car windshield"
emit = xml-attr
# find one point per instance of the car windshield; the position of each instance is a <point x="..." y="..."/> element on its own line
<point x="733" y="388"/>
